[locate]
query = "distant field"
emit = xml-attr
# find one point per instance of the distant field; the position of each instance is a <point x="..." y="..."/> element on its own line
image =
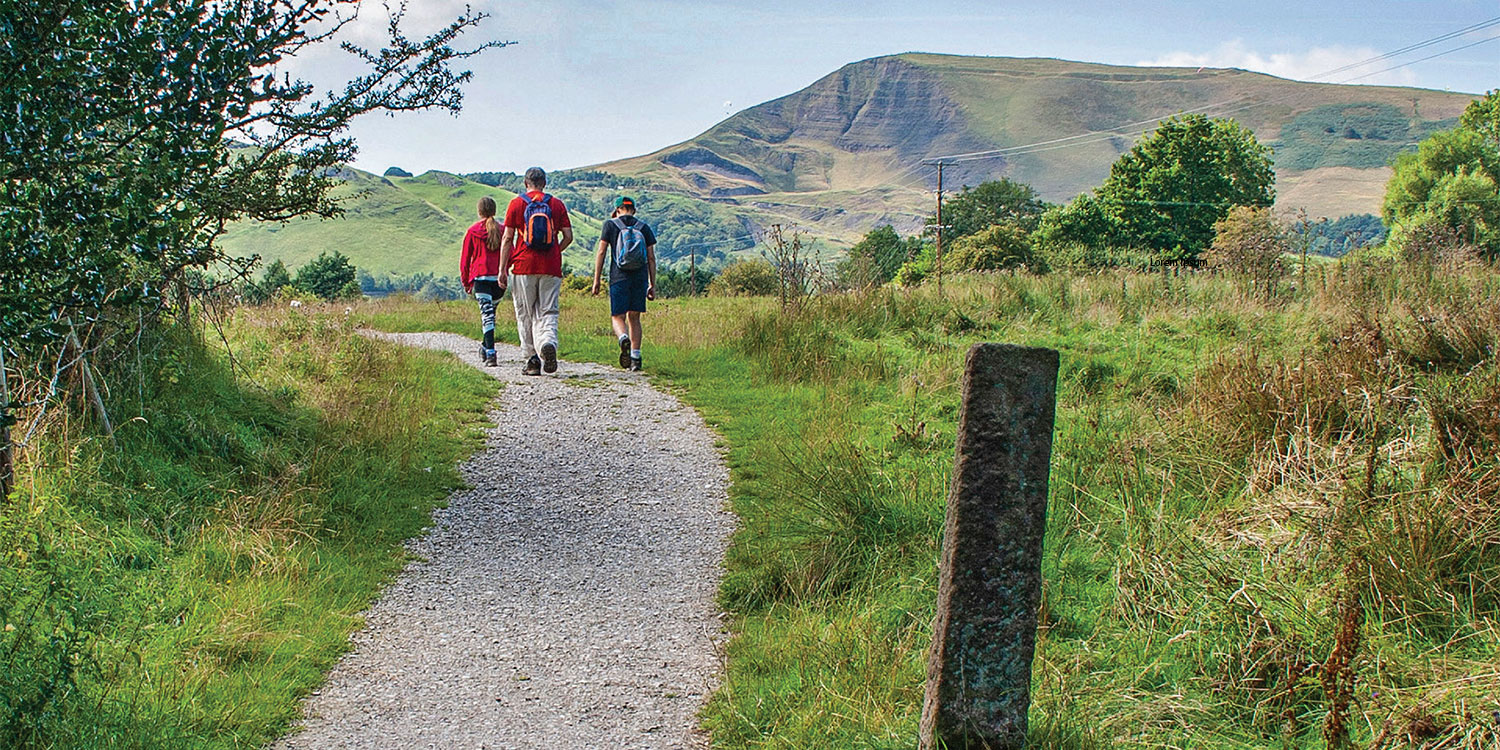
<point x="402" y="225"/>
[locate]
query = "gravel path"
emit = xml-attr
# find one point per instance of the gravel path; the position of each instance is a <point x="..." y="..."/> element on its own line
<point x="564" y="601"/>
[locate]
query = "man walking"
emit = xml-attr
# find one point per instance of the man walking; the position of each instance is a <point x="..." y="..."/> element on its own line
<point x="632" y="276"/>
<point x="537" y="231"/>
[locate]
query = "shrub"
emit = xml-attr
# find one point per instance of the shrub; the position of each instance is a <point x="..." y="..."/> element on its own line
<point x="1250" y="242"/>
<point x="745" y="278"/>
<point x="328" y="276"/>
<point x="1002" y="247"/>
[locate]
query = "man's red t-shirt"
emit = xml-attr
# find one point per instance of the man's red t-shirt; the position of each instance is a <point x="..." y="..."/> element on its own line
<point x="523" y="259"/>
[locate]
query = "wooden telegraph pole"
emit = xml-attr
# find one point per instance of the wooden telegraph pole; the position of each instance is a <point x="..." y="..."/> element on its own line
<point x="939" y="164"/>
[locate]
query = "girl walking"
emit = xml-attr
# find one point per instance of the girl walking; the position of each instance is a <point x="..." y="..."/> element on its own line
<point x="479" y="267"/>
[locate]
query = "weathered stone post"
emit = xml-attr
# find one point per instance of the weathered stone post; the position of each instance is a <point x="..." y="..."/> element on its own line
<point x="990" y="580"/>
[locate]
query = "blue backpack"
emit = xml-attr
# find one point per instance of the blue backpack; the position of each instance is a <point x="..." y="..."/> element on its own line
<point x="537" y="229"/>
<point x="630" y="245"/>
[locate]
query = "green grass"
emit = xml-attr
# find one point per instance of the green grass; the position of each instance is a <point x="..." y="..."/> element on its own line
<point x="184" y="589"/>
<point x="1209" y="507"/>
<point x="1214" y="515"/>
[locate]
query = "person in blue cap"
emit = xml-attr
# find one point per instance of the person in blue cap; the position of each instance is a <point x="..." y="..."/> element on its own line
<point x="631" y="248"/>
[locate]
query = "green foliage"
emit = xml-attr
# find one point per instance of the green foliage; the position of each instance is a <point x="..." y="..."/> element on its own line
<point x="1166" y="193"/>
<point x="876" y="258"/>
<point x="1365" y="136"/>
<point x="916" y="270"/>
<point x="745" y="278"/>
<point x="1452" y="179"/>
<point x="396" y="172"/>
<point x="121" y="119"/>
<point x="272" y="281"/>
<point x="186" y="588"/>
<point x="423" y="286"/>
<point x="328" y="277"/>
<point x="1250" y="242"/>
<point x="1002" y="201"/>
<point x="1483" y="117"/>
<point x="1001" y="247"/>
<point x="683" y="282"/>
<point x="1336" y="238"/>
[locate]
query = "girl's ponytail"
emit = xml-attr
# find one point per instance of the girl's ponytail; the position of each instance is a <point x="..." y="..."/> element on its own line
<point x="492" y="228"/>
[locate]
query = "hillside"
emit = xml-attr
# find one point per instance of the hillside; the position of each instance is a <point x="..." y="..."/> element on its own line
<point x="400" y="225"/>
<point x="855" y="139"/>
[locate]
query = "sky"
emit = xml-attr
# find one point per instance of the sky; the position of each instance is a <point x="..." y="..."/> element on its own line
<point x="589" y="81"/>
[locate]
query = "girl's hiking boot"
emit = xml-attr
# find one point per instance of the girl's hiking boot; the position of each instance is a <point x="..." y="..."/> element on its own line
<point x="533" y="366"/>
<point x="549" y="357"/>
<point x="489" y="358"/>
<point x="625" y="353"/>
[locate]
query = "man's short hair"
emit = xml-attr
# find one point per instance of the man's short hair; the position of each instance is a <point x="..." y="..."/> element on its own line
<point x="536" y="178"/>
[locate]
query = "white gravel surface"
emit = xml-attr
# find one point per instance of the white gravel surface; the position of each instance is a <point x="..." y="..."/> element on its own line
<point x="567" y="600"/>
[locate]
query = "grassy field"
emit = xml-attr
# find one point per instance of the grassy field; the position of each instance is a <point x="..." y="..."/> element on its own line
<point x="1273" y="521"/>
<point x="184" y="588"/>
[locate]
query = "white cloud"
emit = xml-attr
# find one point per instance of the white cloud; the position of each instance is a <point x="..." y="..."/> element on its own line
<point x="1310" y="65"/>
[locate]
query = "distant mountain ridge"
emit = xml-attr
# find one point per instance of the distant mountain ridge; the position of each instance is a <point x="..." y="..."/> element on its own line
<point x="860" y="134"/>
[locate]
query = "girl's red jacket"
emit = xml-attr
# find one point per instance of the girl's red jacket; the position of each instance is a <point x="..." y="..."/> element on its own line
<point x="478" y="259"/>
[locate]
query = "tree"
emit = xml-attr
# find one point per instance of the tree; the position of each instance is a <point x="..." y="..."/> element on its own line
<point x="1483" y="117"/>
<point x="276" y="277"/>
<point x="674" y="282"/>
<point x="1084" y="222"/>
<point x="119" y="163"/>
<point x="875" y="259"/>
<point x="1000" y="201"/>
<point x="328" y="277"/>
<point x="274" y="280"/>
<point x="1166" y="193"/>
<point x="1453" y="179"/>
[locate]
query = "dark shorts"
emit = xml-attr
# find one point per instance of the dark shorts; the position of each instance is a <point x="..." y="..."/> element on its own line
<point x="627" y="292"/>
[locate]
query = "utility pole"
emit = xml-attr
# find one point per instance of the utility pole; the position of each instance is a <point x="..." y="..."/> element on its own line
<point x="692" y="270"/>
<point x="939" y="164"/>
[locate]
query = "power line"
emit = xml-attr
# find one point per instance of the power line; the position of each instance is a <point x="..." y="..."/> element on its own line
<point x="1423" y="59"/>
<point x="1412" y="47"/>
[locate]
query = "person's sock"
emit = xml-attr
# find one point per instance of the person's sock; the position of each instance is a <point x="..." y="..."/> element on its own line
<point x="635" y="353"/>
<point x="624" y="338"/>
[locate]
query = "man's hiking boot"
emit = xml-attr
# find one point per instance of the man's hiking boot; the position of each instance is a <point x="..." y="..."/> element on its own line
<point x="549" y="357"/>
<point x="635" y="364"/>
<point x="625" y="352"/>
<point x="533" y="366"/>
<point x="489" y="359"/>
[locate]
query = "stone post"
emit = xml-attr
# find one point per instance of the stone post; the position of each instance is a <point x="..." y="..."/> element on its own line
<point x="990" y="580"/>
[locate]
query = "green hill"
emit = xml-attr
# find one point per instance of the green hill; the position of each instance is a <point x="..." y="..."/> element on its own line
<point x="856" y="138"/>
<point x="402" y="225"/>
